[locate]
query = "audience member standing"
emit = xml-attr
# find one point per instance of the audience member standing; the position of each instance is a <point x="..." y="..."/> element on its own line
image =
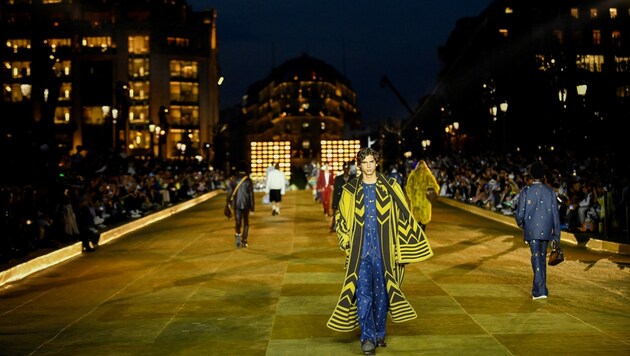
<point x="240" y="195"/>
<point x="325" y="182"/>
<point x="275" y="188"/>
<point x="420" y="180"/>
<point x="537" y="214"/>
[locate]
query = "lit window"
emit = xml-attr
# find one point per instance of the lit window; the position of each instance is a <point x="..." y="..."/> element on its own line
<point x="139" y="114"/>
<point x="139" y="90"/>
<point x="18" y="44"/>
<point x="62" y="68"/>
<point x="65" y="92"/>
<point x="138" y="67"/>
<point x="613" y="13"/>
<point x="590" y="62"/>
<point x="93" y="115"/>
<point x="102" y="42"/>
<point x="18" y="69"/>
<point x="622" y="64"/>
<point x="185" y="115"/>
<point x="17" y="92"/>
<point x="184" y="69"/>
<point x="178" y="42"/>
<point x="597" y="37"/>
<point x="55" y="43"/>
<point x="574" y="13"/>
<point x="184" y="91"/>
<point x="138" y="44"/>
<point x="503" y="32"/>
<point x="509" y="10"/>
<point x="623" y="91"/>
<point x="62" y="115"/>
<point x="616" y="38"/>
<point x="593" y="13"/>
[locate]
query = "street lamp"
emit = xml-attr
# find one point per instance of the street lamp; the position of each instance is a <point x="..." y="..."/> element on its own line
<point x="504" y="107"/>
<point x="562" y="97"/>
<point x="152" y="138"/>
<point x="114" y="121"/>
<point x="583" y="122"/>
<point x="581" y="90"/>
<point x="181" y="147"/>
<point x="456" y="134"/>
<point x="425" y="144"/>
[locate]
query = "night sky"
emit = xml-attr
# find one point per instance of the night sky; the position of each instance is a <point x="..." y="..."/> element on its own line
<point x="363" y="39"/>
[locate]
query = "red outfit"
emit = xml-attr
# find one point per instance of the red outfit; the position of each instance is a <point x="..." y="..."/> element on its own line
<point x="325" y="188"/>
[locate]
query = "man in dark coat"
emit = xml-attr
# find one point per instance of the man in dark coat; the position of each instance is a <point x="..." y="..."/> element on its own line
<point x="340" y="180"/>
<point x="537" y="214"/>
<point x="240" y="196"/>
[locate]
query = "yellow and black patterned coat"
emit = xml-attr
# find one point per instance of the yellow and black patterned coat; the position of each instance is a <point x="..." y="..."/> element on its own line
<point x="401" y="239"/>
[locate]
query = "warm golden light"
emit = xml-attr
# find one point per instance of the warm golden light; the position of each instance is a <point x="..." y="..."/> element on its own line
<point x="336" y="152"/>
<point x="265" y="153"/>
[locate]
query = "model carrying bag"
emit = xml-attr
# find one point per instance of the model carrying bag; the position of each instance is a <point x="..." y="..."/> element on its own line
<point x="557" y="255"/>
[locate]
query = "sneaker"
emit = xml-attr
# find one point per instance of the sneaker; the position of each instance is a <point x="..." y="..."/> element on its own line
<point x="539" y="297"/>
<point x="367" y="347"/>
<point x="381" y="343"/>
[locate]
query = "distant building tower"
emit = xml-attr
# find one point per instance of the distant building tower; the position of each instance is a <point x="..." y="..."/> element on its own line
<point x="135" y="76"/>
<point x="303" y="101"/>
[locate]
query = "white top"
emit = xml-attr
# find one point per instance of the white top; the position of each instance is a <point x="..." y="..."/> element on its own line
<point x="275" y="180"/>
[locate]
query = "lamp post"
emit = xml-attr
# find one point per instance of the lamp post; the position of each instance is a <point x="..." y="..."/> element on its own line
<point x="425" y="145"/>
<point x="114" y="121"/>
<point x="583" y="124"/>
<point x="504" y="107"/>
<point x="456" y="134"/>
<point x="152" y="128"/>
<point x="562" y="97"/>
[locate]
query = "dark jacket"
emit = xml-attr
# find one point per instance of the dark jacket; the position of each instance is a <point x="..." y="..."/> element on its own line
<point x="537" y="213"/>
<point x="337" y="185"/>
<point x="244" y="197"/>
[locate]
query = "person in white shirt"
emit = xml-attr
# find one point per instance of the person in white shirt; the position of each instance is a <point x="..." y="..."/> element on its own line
<point x="275" y="188"/>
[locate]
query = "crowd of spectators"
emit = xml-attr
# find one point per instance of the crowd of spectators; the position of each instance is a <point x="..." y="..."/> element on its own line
<point x="89" y="193"/>
<point x="592" y="193"/>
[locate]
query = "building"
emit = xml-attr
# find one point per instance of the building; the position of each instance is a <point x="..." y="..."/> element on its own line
<point x="135" y="76"/>
<point x="535" y="75"/>
<point x="303" y="101"/>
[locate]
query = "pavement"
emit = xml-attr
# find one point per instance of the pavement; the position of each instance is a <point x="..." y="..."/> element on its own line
<point x="175" y="284"/>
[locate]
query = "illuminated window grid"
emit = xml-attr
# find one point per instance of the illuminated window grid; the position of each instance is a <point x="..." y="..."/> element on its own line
<point x="335" y="152"/>
<point x="266" y="153"/>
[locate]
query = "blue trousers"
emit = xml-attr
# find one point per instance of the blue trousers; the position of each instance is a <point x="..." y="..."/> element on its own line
<point x="372" y="300"/>
<point x="538" y="249"/>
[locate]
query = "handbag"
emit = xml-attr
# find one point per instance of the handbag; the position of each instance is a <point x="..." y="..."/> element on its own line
<point x="265" y="199"/>
<point x="227" y="211"/>
<point x="557" y="255"/>
<point x="432" y="195"/>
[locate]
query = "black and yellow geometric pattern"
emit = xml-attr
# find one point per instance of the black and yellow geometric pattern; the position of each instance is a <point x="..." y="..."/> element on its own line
<point x="402" y="241"/>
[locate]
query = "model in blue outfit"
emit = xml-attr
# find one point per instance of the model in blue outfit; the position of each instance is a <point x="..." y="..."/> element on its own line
<point x="537" y="214"/>
<point x="372" y="298"/>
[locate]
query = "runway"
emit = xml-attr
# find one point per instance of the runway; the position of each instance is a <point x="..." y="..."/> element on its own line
<point x="178" y="286"/>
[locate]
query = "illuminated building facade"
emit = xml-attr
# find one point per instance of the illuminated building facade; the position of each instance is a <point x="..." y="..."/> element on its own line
<point x="304" y="101"/>
<point x="536" y="75"/>
<point x="265" y="154"/>
<point x="336" y="152"/>
<point x="137" y="76"/>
